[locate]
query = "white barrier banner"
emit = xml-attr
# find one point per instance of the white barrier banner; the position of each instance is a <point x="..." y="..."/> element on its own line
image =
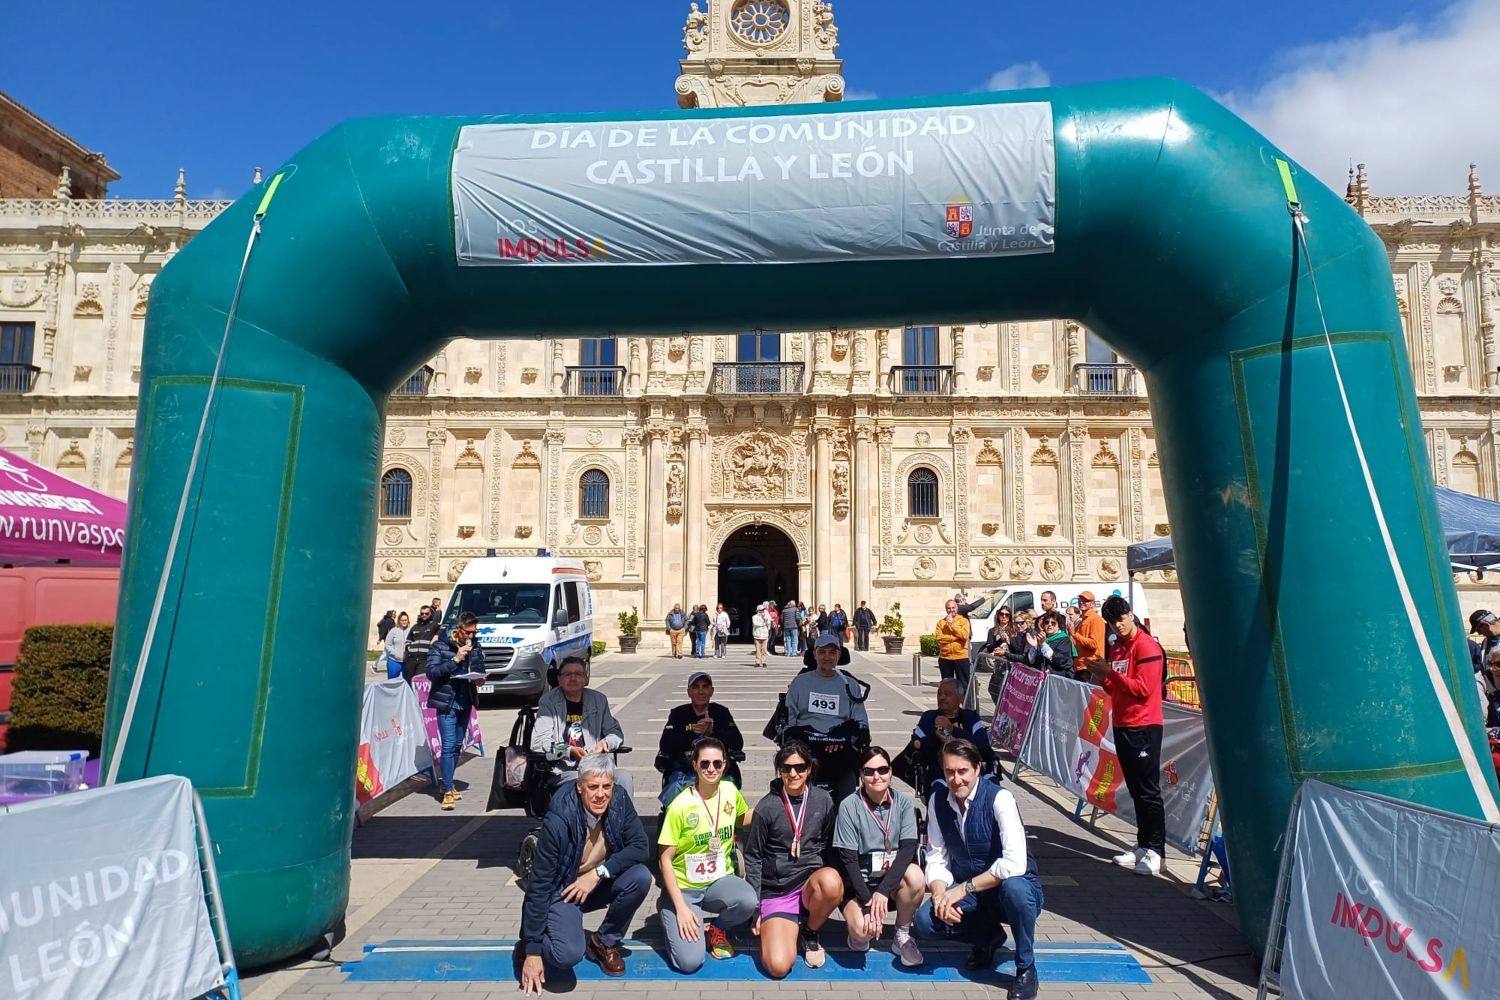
<point x="101" y="897"/>
<point x="1071" y="741"/>
<point x="392" y="739"/>
<point x="1387" y="899"/>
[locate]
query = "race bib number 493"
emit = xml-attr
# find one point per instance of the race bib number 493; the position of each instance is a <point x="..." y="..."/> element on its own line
<point x="823" y="704"/>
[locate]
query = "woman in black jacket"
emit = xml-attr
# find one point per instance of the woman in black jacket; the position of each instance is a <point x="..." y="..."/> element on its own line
<point x="1049" y="647"/>
<point x="786" y="863"/>
<point x="686" y="724"/>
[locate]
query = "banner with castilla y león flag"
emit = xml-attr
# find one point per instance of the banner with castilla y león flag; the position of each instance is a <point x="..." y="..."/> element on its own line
<point x="1070" y="740"/>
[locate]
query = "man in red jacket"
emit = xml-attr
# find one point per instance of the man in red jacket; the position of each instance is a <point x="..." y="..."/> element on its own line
<point x="1131" y="674"/>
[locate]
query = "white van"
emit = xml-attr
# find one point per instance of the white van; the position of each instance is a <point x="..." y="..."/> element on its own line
<point x="1028" y="597"/>
<point x="533" y="613"/>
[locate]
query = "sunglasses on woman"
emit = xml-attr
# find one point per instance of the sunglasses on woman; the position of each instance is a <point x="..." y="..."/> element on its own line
<point x="711" y="765"/>
<point x="795" y="768"/>
<point x="871" y="772"/>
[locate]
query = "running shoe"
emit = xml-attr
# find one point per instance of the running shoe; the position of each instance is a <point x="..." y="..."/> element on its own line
<point x="856" y="944"/>
<point x="905" y="947"/>
<point x="718" y="942"/>
<point x="812" y="950"/>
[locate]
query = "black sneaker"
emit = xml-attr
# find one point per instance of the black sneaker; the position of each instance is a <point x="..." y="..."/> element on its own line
<point x="812" y="949"/>
<point x="1024" y="986"/>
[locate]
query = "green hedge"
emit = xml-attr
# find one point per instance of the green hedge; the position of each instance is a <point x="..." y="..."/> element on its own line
<point x="62" y="678"/>
<point x="929" y="645"/>
<point x="599" y="646"/>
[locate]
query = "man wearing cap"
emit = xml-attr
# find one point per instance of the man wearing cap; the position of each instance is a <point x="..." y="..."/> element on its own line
<point x="1486" y="626"/>
<point x="686" y="725"/>
<point x="1089" y="636"/>
<point x="826" y="709"/>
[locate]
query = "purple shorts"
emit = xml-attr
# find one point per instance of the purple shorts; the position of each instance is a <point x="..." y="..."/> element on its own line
<point x="788" y="906"/>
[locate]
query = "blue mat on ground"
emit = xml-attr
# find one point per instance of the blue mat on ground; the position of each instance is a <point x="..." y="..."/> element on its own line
<point x="489" y="960"/>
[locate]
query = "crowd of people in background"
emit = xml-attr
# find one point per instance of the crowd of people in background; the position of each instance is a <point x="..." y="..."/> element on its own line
<point x="792" y="627"/>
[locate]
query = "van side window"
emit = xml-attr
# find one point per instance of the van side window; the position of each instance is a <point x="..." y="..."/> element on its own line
<point x="1019" y="601"/>
<point x="575" y="603"/>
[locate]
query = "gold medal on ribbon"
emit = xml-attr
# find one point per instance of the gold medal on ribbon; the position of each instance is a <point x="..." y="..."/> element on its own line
<point x="796" y="848"/>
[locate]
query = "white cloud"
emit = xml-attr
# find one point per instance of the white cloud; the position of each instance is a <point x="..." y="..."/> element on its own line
<point x="1021" y="76"/>
<point x="1415" y="103"/>
<point x="860" y="95"/>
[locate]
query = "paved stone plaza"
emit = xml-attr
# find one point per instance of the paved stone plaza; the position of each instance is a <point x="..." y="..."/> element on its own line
<point x="421" y="874"/>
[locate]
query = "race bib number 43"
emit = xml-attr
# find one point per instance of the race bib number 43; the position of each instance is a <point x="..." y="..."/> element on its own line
<point x="823" y="704"/>
<point x="706" y="867"/>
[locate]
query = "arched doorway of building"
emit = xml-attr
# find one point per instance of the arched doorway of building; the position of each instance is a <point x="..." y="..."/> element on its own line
<point x="757" y="563"/>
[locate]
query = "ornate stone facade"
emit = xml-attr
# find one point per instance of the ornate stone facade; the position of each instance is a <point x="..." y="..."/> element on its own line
<point x="1045" y="467"/>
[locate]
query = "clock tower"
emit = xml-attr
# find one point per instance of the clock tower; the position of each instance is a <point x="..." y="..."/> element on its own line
<point x="749" y="52"/>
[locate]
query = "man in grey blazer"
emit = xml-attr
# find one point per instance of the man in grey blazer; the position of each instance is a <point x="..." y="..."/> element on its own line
<point x="573" y="722"/>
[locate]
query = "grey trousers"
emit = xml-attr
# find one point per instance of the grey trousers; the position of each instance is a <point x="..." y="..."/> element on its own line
<point x="729" y="902"/>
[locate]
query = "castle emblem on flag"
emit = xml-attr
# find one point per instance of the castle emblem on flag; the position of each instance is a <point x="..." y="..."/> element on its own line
<point x="959" y="222"/>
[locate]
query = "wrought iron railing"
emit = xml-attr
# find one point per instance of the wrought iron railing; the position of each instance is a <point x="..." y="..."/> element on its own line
<point x="16" y="379"/>
<point x="419" y="384"/>
<point x="594" y="380"/>
<point x="922" y="380"/>
<point x="757" y="377"/>
<point x="1106" y="380"/>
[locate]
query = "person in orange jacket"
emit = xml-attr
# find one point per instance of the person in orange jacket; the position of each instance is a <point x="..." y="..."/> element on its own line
<point x="953" y="647"/>
<point x="1089" y="637"/>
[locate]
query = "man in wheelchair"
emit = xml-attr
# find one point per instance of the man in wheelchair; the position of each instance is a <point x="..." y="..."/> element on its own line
<point x="949" y="721"/>
<point x="825" y="709"/>
<point x="686" y="724"/>
<point x="571" y="723"/>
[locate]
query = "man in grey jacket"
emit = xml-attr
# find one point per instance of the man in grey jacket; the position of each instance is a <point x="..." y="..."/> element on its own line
<point x="573" y="722"/>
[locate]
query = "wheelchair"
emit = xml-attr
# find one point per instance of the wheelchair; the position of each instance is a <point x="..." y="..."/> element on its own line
<point x="530" y="784"/>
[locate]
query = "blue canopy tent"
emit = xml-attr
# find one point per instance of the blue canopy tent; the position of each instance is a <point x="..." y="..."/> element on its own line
<point x="1471" y="526"/>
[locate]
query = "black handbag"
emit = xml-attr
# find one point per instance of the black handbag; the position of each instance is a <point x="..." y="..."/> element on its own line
<point x="777" y="723"/>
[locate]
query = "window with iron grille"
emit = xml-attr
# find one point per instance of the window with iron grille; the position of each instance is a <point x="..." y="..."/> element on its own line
<point x="395" y="493"/>
<point x="922" y="493"/>
<point x="593" y="490"/>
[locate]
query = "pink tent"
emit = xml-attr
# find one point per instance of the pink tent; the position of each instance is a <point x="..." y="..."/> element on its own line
<point x="47" y="519"/>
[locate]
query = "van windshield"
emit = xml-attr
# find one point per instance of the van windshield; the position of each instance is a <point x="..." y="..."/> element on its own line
<point x="500" y="603"/>
<point x="984" y="610"/>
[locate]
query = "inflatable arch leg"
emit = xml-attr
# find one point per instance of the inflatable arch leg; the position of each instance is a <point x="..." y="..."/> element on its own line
<point x="1172" y="240"/>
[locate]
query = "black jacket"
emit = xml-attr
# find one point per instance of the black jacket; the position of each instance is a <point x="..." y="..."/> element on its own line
<point x="769" y="866"/>
<point x="385" y="625"/>
<point x="701" y="621"/>
<point x="559" y="849"/>
<point x="864" y="618"/>
<point x="677" y="739"/>
<point x="447" y="690"/>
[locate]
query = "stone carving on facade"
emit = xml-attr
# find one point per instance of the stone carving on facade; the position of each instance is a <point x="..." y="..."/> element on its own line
<point x="825" y="33"/>
<point x="677" y="347"/>
<point x="754" y="466"/>
<point x="728" y="522"/>
<point x="391" y="570"/>
<point x="594" y="436"/>
<point x="1109" y="569"/>
<point x="1053" y="569"/>
<point x="1429" y="359"/>
<point x="1105" y="457"/>
<point x="526" y="458"/>
<point x="523" y="531"/>
<point x="20" y="294"/>
<point x="456" y="568"/>
<point x="576" y="469"/>
<point x="839" y="345"/>
<point x="676" y="487"/>
<point x="922" y="535"/>
<point x="989" y="455"/>
<point x="594" y="569"/>
<point x="1021" y="568"/>
<point x="1107" y="529"/>
<point x="840" y="490"/>
<point x="393" y="535"/>
<point x="397" y="437"/>
<point x="1043" y="455"/>
<point x="592" y="535"/>
<point x="990" y="528"/>
<point x="469" y="458"/>
<point x="695" y="32"/>
<point x="991" y="568"/>
<point x="81" y="373"/>
<point x="923" y="439"/>
<point x="925" y="568"/>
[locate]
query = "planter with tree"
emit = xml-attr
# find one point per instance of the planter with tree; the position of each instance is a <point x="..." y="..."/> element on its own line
<point x="893" y="629"/>
<point x="630" y="630"/>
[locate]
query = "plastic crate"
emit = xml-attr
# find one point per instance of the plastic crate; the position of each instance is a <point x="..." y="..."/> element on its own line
<point x="42" y="772"/>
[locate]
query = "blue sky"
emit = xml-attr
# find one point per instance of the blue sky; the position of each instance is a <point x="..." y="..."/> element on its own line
<point x="221" y="88"/>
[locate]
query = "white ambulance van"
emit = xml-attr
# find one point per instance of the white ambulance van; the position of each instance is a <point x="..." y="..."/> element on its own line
<point x="533" y="613"/>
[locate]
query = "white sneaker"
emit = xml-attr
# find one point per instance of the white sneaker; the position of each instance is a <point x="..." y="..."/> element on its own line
<point x="857" y="945"/>
<point x="906" y="949"/>
<point x="1150" y="863"/>
<point x="1130" y="858"/>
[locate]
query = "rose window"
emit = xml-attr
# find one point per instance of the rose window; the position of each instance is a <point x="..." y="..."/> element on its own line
<point x="759" y="21"/>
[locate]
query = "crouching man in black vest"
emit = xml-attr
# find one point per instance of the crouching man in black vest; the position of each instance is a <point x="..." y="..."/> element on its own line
<point x="978" y="869"/>
<point x="590" y="855"/>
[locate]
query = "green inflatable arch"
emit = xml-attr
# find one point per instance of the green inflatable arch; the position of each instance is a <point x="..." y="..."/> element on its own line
<point x="1146" y="211"/>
